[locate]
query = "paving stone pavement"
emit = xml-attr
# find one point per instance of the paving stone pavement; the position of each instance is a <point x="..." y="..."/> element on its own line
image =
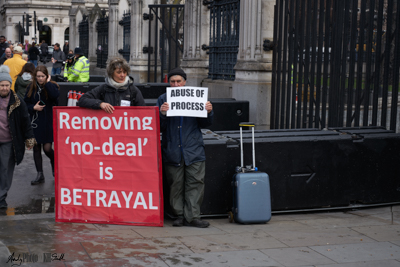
<point x="367" y="237"/>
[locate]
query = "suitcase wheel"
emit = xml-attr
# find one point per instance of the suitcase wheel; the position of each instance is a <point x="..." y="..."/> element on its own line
<point x="230" y="216"/>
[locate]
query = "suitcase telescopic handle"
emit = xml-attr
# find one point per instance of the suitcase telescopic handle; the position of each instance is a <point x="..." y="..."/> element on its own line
<point x="252" y="125"/>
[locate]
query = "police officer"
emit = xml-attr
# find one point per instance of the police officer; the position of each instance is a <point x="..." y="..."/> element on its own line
<point x="68" y="66"/>
<point x="80" y="70"/>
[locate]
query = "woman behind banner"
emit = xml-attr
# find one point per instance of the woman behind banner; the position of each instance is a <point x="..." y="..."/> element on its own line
<point x="42" y="94"/>
<point x="118" y="89"/>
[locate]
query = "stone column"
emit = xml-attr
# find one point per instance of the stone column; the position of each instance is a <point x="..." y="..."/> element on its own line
<point x="76" y="7"/>
<point x="196" y="33"/>
<point x="139" y="39"/>
<point x="92" y="55"/>
<point x="113" y="28"/>
<point x="253" y="74"/>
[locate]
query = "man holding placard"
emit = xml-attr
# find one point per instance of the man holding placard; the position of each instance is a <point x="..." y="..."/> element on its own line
<point x="183" y="112"/>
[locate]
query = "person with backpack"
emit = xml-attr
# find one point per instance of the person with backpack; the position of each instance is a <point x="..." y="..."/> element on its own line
<point x="118" y="89"/>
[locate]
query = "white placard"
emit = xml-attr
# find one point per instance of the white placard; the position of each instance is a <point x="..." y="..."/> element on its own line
<point x="187" y="101"/>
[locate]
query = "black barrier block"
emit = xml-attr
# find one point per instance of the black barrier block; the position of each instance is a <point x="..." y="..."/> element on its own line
<point x="307" y="168"/>
<point x="66" y="87"/>
<point x="305" y="171"/>
<point x="379" y="176"/>
<point x="228" y="113"/>
<point x="92" y="78"/>
<point x="311" y="168"/>
<point x="152" y="90"/>
<point x="374" y="174"/>
<point x="150" y="102"/>
<point x="221" y="161"/>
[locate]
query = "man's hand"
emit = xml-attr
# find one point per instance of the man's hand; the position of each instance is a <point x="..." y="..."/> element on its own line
<point x="208" y="106"/>
<point x="164" y="108"/>
<point x="107" y="107"/>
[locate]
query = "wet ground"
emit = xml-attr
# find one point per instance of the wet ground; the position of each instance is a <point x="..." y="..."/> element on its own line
<point x="29" y="236"/>
<point x="365" y="237"/>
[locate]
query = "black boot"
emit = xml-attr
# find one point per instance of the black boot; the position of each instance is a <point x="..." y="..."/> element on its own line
<point x="39" y="179"/>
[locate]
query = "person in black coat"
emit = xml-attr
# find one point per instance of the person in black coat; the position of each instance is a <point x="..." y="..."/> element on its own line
<point x="42" y="94"/>
<point x="66" y="48"/>
<point x="45" y="50"/>
<point x="33" y="53"/>
<point x="15" y="133"/>
<point x="118" y="89"/>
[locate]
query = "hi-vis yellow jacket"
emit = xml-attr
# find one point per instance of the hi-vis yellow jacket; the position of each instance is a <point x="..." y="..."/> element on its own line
<point x="80" y="70"/>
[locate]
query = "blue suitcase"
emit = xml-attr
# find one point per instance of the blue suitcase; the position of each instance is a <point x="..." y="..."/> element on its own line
<point x="251" y="190"/>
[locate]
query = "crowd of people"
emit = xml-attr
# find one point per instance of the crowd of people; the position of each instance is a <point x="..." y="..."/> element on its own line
<point x="28" y="95"/>
<point x="73" y="62"/>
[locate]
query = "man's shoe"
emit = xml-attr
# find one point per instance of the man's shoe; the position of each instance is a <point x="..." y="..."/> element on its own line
<point x="197" y="223"/>
<point x="178" y="222"/>
<point x="39" y="179"/>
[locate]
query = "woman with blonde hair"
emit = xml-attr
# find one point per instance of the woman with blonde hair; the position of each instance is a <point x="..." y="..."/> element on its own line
<point x="118" y="89"/>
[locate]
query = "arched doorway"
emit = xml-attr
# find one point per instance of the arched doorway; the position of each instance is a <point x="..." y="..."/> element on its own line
<point x="66" y="35"/>
<point x="45" y="34"/>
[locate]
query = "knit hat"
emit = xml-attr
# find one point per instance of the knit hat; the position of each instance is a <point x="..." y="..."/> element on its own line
<point x="5" y="73"/>
<point x="78" y="51"/>
<point x="177" y="71"/>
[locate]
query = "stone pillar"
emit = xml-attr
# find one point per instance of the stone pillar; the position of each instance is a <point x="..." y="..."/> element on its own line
<point x="113" y="28"/>
<point x="76" y="7"/>
<point x="92" y="55"/>
<point x="139" y="38"/>
<point x="196" y="33"/>
<point x="253" y="74"/>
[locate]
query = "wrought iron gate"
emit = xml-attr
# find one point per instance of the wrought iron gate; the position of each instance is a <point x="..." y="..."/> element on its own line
<point x="102" y="40"/>
<point x="335" y="64"/>
<point x="126" y="24"/>
<point x="84" y="35"/>
<point x="166" y="42"/>
<point x="224" y="39"/>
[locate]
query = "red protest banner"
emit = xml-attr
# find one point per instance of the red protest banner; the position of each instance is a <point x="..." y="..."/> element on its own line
<point x="108" y="166"/>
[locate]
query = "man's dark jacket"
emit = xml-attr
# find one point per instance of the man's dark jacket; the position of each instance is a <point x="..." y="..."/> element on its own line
<point x="3" y="47"/>
<point x="187" y="129"/>
<point x="107" y="93"/>
<point x="20" y="126"/>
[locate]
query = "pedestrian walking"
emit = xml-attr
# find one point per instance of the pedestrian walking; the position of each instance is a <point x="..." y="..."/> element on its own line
<point x="3" y="44"/>
<point x="24" y="78"/>
<point x="41" y="96"/>
<point x="33" y="53"/>
<point x="66" y="48"/>
<point x="16" y="63"/>
<point x="44" y="48"/>
<point x="15" y="133"/>
<point x="57" y="59"/>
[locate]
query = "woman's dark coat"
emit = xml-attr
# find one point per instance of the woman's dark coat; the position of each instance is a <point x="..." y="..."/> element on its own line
<point x="43" y="124"/>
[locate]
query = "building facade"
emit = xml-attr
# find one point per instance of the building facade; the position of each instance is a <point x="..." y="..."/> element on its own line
<point x="53" y="14"/>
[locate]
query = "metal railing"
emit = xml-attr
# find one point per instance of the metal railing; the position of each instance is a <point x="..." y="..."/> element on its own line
<point x="126" y="24"/>
<point x="335" y="63"/>
<point x="224" y="38"/>
<point x="83" y="29"/>
<point x="165" y="40"/>
<point x="102" y="40"/>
